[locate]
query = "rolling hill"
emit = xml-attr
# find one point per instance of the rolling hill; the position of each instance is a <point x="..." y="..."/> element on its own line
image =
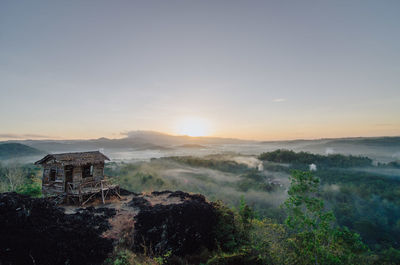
<point x="15" y="150"/>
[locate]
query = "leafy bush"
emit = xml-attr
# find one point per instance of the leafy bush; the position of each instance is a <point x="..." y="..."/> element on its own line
<point x="33" y="188"/>
<point x="20" y="178"/>
<point x="226" y="231"/>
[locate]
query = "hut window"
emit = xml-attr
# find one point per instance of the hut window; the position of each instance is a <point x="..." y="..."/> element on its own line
<point x="52" y="174"/>
<point x="87" y="171"/>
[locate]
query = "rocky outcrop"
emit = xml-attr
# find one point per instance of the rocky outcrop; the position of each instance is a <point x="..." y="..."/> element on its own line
<point x="36" y="231"/>
<point x="181" y="228"/>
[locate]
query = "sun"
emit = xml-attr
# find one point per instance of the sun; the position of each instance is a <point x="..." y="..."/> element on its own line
<point x="193" y="127"/>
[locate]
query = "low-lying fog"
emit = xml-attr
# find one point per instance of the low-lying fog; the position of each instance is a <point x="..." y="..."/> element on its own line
<point x="130" y="154"/>
<point x="263" y="189"/>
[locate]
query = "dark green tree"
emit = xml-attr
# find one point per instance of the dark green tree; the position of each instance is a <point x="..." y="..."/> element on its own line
<point x="313" y="235"/>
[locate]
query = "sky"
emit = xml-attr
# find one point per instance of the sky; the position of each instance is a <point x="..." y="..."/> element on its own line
<point x="263" y="70"/>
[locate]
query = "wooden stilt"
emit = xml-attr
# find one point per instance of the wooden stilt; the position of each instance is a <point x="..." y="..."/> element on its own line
<point x="91" y="196"/>
<point x="102" y="193"/>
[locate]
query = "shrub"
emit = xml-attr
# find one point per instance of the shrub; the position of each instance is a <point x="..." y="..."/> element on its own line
<point x="33" y="188"/>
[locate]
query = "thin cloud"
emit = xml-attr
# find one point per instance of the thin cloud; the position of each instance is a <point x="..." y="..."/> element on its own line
<point x="22" y="136"/>
<point x="9" y="135"/>
<point x="37" y="136"/>
<point x="279" y="100"/>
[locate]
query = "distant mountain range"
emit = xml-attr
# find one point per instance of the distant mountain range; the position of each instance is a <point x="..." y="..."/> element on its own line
<point x="15" y="150"/>
<point x="384" y="148"/>
<point x="138" y="140"/>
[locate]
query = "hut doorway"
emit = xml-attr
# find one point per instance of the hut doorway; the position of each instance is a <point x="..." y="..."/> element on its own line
<point x="68" y="176"/>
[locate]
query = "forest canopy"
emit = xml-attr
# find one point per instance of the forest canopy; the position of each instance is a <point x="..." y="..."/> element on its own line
<point x="331" y="160"/>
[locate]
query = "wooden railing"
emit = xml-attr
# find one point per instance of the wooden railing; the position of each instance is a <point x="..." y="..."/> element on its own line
<point x="49" y="184"/>
<point x="90" y="189"/>
<point x="53" y="186"/>
<point x="88" y="179"/>
<point x="88" y="186"/>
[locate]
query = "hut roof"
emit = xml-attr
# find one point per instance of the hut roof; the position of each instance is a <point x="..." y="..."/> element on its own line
<point x="78" y="158"/>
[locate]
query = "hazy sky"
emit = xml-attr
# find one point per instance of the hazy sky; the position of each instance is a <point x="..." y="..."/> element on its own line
<point x="245" y="69"/>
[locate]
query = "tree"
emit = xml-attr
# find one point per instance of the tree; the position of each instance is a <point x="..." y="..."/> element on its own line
<point x="15" y="177"/>
<point x="246" y="213"/>
<point x="313" y="235"/>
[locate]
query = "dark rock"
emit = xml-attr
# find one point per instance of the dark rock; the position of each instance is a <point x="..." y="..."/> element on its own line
<point x="183" y="195"/>
<point x="106" y="212"/>
<point x="124" y="192"/>
<point x="179" y="194"/>
<point x="157" y="193"/>
<point x="36" y="231"/>
<point x="181" y="228"/>
<point x="139" y="202"/>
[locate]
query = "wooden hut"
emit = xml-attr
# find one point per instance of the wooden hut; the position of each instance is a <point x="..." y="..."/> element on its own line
<point x="75" y="176"/>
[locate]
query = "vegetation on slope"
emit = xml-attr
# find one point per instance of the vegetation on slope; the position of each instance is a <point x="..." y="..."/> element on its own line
<point x="333" y="160"/>
<point x="22" y="179"/>
<point x="362" y="199"/>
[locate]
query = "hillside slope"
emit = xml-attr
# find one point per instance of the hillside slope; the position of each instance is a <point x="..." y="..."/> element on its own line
<point x="14" y="150"/>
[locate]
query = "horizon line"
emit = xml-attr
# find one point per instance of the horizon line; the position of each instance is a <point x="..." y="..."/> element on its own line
<point x="194" y="137"/>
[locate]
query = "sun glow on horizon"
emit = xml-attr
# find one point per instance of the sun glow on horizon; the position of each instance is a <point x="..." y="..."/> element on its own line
<point x="192" y="126"/>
